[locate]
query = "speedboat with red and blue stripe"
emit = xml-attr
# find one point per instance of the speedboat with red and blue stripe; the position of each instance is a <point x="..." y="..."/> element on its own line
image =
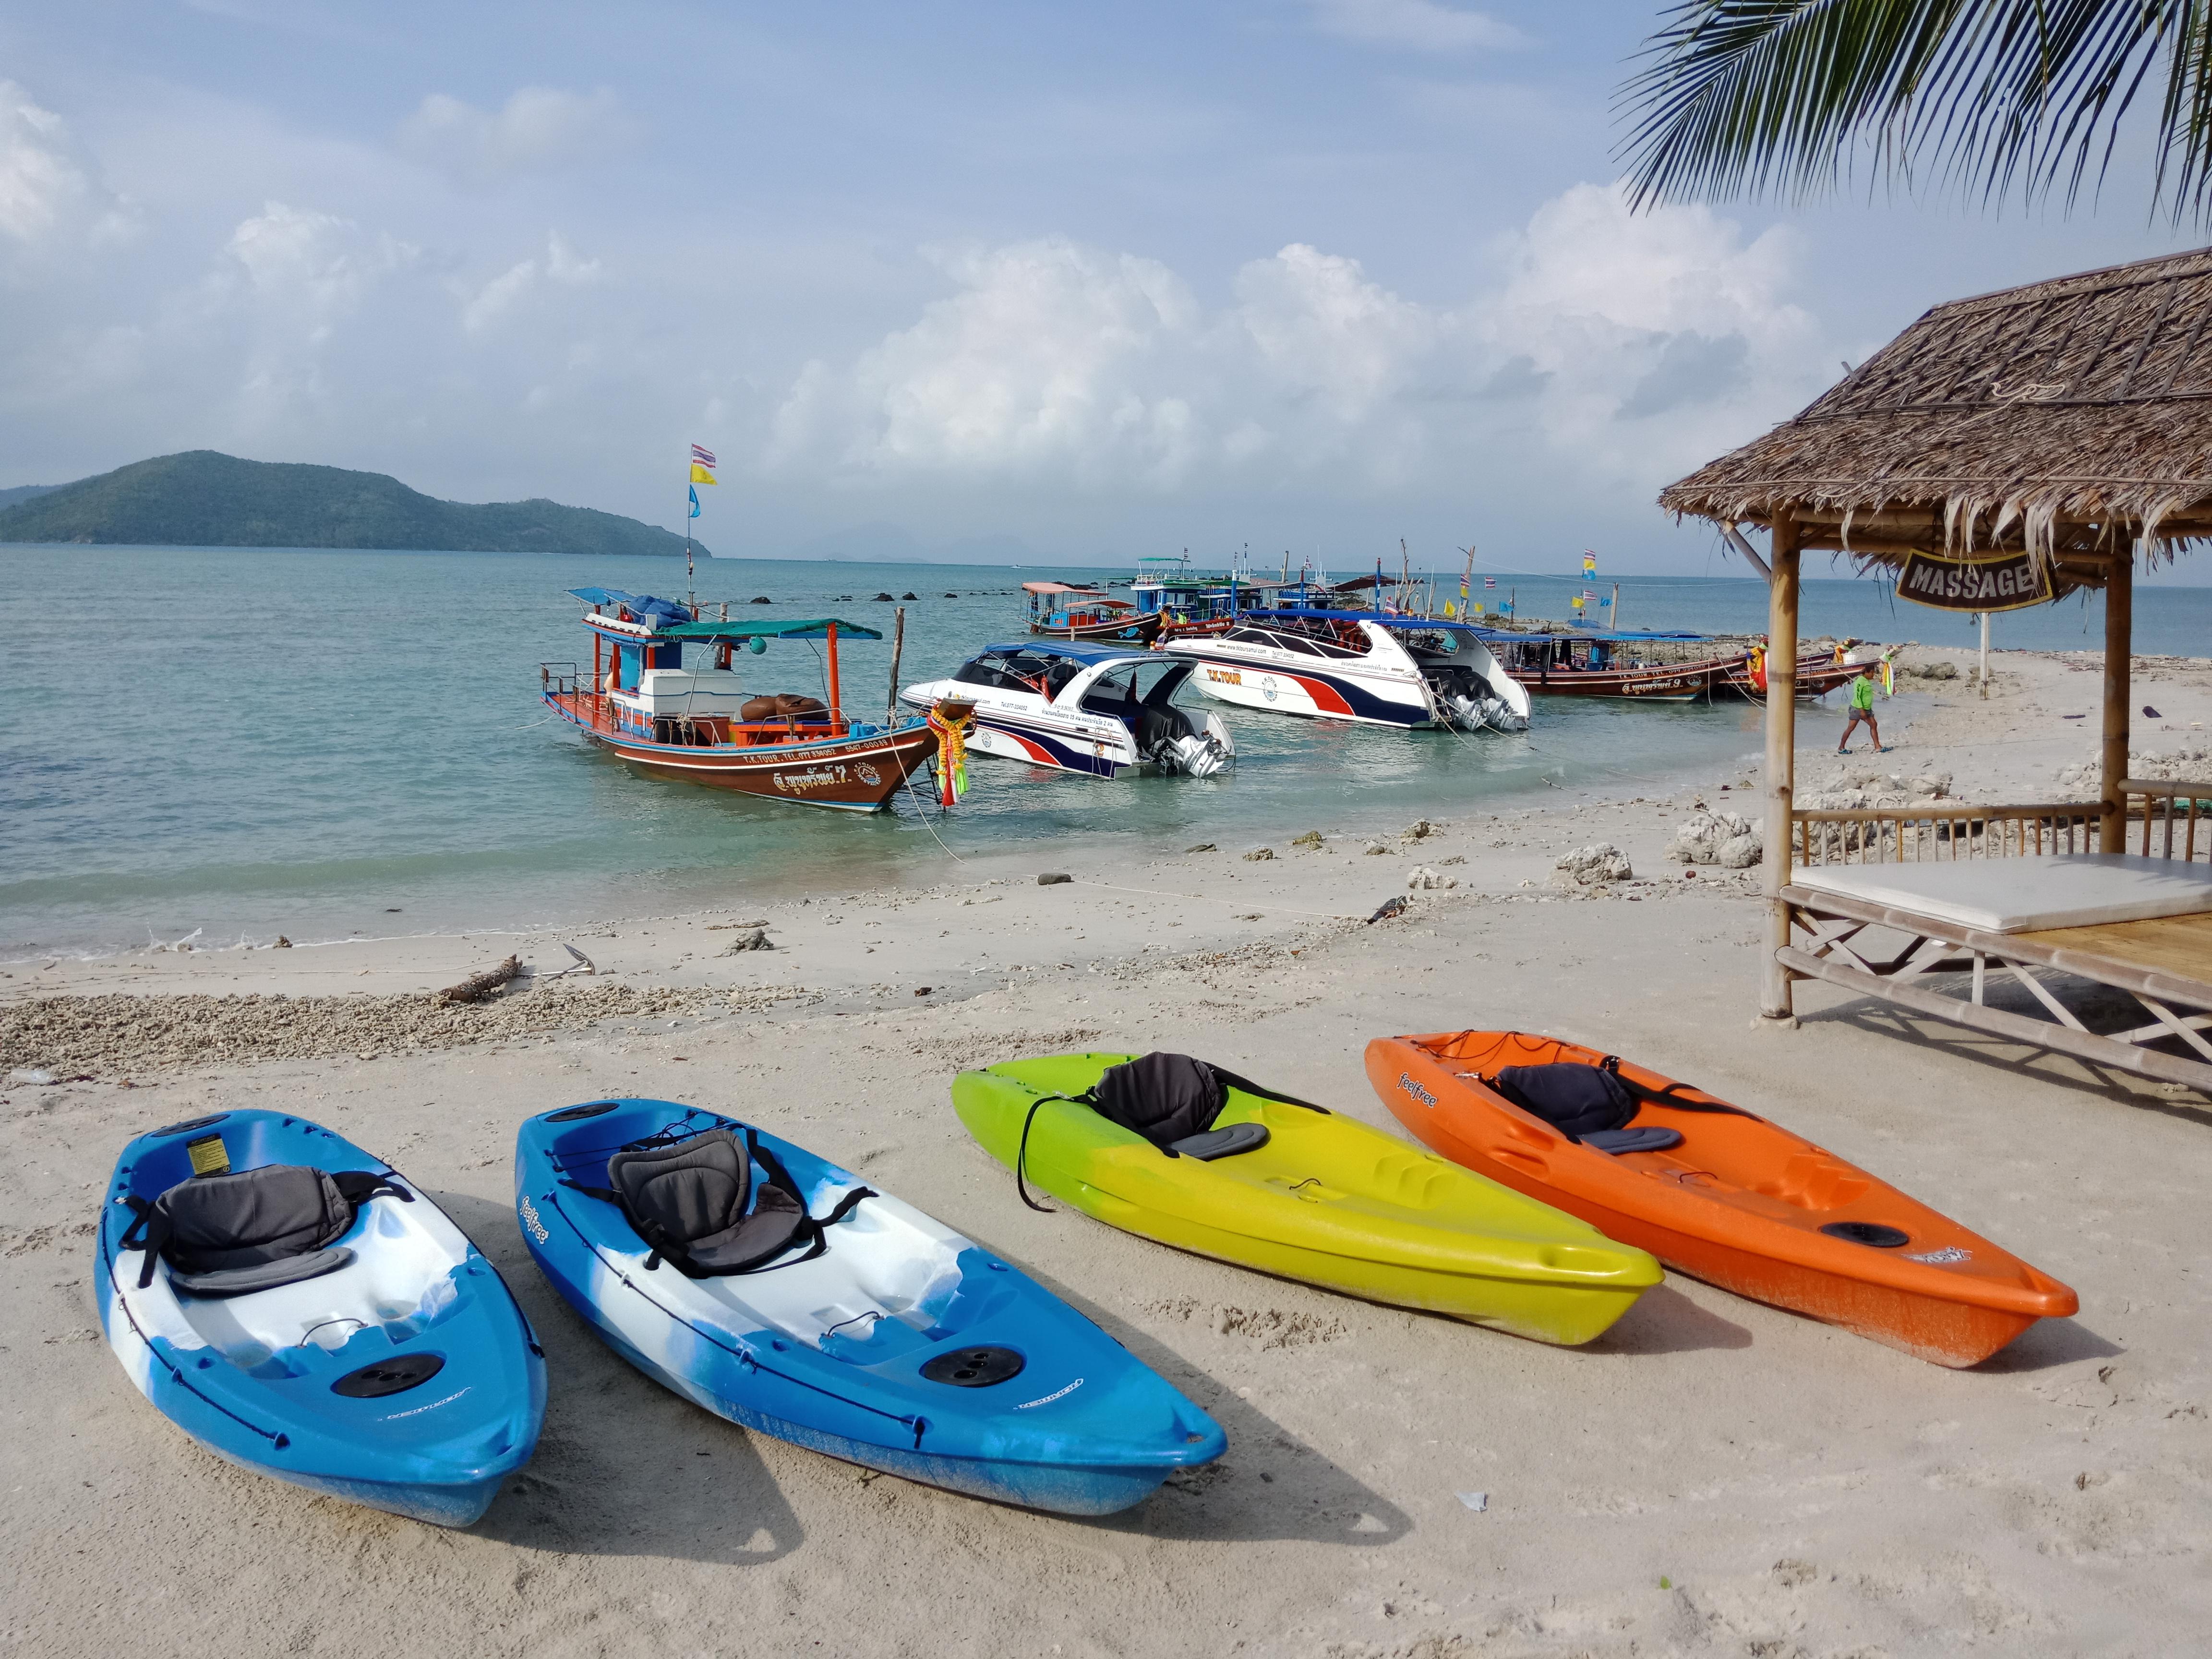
<point x="1376" y="667"/>
<point x="1079" y="708"/>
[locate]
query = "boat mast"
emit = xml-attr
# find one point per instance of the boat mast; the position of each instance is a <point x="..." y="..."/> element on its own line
<point x="834" y="703"/>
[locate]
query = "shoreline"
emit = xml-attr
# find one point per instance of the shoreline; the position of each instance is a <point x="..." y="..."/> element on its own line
<point x="1711" y="1477"/>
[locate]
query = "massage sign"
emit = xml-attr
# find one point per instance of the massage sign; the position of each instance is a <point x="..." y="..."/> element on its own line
<point x="2003" y="581"/>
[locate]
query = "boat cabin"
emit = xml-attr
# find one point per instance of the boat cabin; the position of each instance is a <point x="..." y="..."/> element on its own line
<point x="662" y="674"/>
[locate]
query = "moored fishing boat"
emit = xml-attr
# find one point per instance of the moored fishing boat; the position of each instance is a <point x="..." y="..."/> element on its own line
<point x="700" y="725"/>
<point x="1815" y="678"/>
<point x="1641" y="667"/>
<point x="1081" y="707"/>
<point x="1377" y="667"/>
<point x="1193" y="603"/>
<point x="1059" y="612"/>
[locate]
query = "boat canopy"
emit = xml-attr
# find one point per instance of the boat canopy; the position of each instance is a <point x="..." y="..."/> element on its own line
<point x="814" y="628"/>
<point x="639" y="605"/>
<point x="1075" y="651"/>
<point x="1385" y="619"/>
<point x="1061" y="587"/>
<point x="1602" y="636"/>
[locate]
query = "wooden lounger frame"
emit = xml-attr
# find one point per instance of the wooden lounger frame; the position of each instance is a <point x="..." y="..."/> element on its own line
<point x="2165" y="964"/>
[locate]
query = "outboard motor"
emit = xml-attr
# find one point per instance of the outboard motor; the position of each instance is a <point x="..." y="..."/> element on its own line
<point x="1167" y="739"/>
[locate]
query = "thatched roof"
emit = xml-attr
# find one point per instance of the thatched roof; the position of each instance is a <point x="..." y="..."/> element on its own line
<point x="2068" y="417"/>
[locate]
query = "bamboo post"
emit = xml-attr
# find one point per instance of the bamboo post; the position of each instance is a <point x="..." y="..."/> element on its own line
<point x="2119" y="647"/>
<point x="1985" y="676"/>
<point x="833" y="702"/>
<point x="898" y="646"/>
<point x="1775" y="1001"/>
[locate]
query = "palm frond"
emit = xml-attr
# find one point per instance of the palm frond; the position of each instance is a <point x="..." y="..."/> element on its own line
<point x="1745" y="97"/>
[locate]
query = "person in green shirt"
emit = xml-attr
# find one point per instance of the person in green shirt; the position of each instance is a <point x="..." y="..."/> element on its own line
<point x="1862" y="705"/>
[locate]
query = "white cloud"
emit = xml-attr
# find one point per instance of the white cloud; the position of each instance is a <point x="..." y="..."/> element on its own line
<point x="540" y="129"/>
<point x="1419" y="25"/>
<point x="287" y="279"/>
<point x="49" y="191"/>
<point x="560" y="264"/>
<point x="1617" y="347"/>
<point x="1037" y="365"/>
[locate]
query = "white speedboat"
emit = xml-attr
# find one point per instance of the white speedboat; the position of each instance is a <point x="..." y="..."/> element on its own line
<point x="1373" y="667"/>
<point x="1082" y="708"/>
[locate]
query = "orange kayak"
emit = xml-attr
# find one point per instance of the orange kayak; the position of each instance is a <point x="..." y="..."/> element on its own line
<point x="1739" y="1202"/>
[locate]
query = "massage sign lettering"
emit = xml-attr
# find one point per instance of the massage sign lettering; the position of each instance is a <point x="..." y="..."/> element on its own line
<point x="2006" y="581"/>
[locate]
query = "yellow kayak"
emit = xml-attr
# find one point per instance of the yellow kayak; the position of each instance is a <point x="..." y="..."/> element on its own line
<point x="1326" y="1200"/>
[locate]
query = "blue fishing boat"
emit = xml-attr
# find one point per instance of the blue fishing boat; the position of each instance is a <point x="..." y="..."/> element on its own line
<point x="297" y="1307"/>
<point x="772" y="1288"/>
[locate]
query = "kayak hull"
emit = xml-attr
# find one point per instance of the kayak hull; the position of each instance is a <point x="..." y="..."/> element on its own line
<point x="1741" y="1204"/>
<point x="1082" y="1429"/>
<point x="1388" y="1224"/>
<point x="224" y="1374"/>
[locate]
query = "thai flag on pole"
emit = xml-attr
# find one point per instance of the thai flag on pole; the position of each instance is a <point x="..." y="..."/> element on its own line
<point x="1490" y="581"/>
<point x="704" y="457"/>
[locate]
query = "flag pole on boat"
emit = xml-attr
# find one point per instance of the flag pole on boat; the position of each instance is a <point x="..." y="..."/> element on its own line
<point x="702" y="460"/>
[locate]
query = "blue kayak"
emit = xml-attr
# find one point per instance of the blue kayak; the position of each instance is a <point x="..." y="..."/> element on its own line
<point x="293" y="1306"/>
<point x="772" y="1288"/>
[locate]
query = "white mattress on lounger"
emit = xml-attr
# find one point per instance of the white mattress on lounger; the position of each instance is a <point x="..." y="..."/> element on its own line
<point x="2024" y="894"/>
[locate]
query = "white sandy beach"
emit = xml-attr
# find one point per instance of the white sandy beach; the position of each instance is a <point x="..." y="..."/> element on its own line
<point x="1712" y="1476"/>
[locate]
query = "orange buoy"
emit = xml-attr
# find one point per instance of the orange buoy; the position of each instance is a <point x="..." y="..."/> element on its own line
<point x="1739" y="1202"/>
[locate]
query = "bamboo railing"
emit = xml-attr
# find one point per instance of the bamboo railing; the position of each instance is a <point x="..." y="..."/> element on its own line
<point x="2164" y="820"/>
<point x="1895" y="835"/>
<point x="2168" y="823"/>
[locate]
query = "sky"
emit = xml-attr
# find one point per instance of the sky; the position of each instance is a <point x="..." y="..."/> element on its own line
<point x="1052" y="284"/>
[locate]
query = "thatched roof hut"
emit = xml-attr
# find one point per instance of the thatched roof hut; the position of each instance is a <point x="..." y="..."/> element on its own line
<point x="2065" y="419"/>
<point x="2001" y="451"/>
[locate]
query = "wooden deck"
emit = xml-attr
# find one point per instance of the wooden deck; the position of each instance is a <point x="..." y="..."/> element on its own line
<point x="2164" y="964"/>
<point x="2179" y="945"/>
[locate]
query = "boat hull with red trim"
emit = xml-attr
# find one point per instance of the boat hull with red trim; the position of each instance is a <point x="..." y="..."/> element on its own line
<point x="1129" y="629"/>
<point x="1681" y="682"/>
<point x="857" y="770"/>
<point x="1814" y="679"/>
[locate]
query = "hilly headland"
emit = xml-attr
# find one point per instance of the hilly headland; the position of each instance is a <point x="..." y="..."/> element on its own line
<point x="204" y="499"/>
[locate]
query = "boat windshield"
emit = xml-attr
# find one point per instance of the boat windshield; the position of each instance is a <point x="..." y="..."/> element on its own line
<point x="1122" y="691"/>
<point x="1018" y="671"/>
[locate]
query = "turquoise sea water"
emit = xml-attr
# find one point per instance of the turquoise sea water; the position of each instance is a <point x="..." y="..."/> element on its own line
<point x="249" y="741"/>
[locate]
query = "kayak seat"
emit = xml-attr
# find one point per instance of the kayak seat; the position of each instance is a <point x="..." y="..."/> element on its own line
<point x="1652" y="1137"/>
<point x="1221" y="1143"/>
<point x="1576" y="1099"/>
<point x="253" y="1230"/>
<point x="690" y="1201"/>
<point x="696" y="1201"/>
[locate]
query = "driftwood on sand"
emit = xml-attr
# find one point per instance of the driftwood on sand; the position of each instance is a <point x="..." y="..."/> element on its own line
<point x="478" y="985"/>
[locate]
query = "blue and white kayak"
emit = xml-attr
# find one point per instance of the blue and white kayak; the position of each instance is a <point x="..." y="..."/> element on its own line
<point x="387" y="1364"/>
<point x="880" y="1336"/>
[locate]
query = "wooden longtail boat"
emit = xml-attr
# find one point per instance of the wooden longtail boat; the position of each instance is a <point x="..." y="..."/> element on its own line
<point x="1635" y="667"/>
<point x="642" y="704"/>
<point x="1814" y="679"/>
<point x="1058" y="611"/>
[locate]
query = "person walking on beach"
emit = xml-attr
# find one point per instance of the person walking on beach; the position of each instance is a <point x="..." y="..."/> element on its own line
<point x="1862" y="710"/>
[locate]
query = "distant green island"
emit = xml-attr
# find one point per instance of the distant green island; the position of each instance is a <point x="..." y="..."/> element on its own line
<point x="202" y="499"/>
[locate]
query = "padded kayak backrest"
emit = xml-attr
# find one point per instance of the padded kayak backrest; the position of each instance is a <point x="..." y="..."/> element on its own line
<point x="227" y="1235"/>
<point x="688" y="1201"/>
<point x="1573" y="1099"/>
<point x="1161" y="1097"/>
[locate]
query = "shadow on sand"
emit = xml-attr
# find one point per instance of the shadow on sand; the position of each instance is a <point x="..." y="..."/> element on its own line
<point x="2100" y="1008"/>
<point x="1664" y="1320"/>
<point x="624" y="1467"/>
